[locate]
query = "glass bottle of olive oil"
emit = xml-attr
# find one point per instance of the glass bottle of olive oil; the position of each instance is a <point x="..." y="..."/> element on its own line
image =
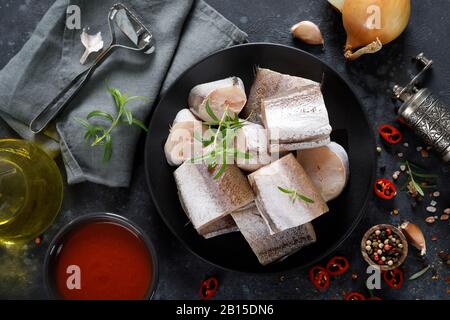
<point x="30" y="191"/>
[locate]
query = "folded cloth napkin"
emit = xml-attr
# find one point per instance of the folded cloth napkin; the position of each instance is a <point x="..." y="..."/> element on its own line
<point x="184" y="31"/>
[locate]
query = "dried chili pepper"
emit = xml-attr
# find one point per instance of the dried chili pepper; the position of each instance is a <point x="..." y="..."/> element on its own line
<point x="354" y="296"/>
<point x="337" y="266"/>
<point x="393" y="278"/>
<point x="390" y="133"/>
<point x="385" y="189"/>
<point x="319" y="277"/>
<point x="209" y="288"/>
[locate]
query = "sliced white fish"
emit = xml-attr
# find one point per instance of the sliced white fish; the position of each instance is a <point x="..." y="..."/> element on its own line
<point x="269" y="248"/>
<point x="278" y="208"/>
<point x="184" y="115"/>
<point x="223" y="94"/>
<point x="298" y="119"/>
<point x="181" y="144"/>
<point x="207" y="200"/>
<point x="268" y="84"/>
<point x="288" y="147"/>
<point x="220" y="227"/>
<point x="328" y="168"/>
<point x="252" y="138"/>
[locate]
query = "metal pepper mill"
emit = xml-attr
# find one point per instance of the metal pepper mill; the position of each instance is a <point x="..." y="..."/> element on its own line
<point x="424" y="113"/>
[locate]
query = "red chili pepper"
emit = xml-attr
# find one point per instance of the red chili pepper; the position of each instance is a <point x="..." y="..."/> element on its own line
<point x="393" y="278"/>
<point x="209" y="288"/>
<point x="319" y="277"/>
<point x="385" y="189"/>
<point x="337" y="266"/>
<point x="390" y="133"/>
<point x="354" y="296"/>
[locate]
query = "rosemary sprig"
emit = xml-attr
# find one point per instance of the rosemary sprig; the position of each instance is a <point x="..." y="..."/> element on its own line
<point x="420" y="273"/>
<point x="415" y="175"/>
<point x="221" y="145"/>
<point x="100" y="135"/>
<point x="294" y="195"/>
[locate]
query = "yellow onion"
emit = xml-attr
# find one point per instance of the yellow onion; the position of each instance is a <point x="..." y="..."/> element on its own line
<point x="371" y="23"/>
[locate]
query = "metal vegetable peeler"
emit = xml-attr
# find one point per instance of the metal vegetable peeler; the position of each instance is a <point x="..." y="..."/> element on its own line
<point x="132" y="28"/>
<point x="424" y="113"/>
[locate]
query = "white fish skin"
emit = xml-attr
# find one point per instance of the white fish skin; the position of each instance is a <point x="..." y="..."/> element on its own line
<point x="298" y="117"/>
<point x="184" y="115"/>
<point x="328" y="168"/>
<point x="268" y="84"/>
<point x="222" y="94"/>
<point x="207" y="200"/>
<point x="276" y="207"/>
<point x="287" y="147"/>
<point x="181" y="145"/>
<point x="252" y="138"/>
<point x="220" y="227"/>
<point x="270" y="248"/>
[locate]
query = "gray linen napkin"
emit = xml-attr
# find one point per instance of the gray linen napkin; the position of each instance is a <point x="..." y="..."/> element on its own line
<point x="184" y="31"/>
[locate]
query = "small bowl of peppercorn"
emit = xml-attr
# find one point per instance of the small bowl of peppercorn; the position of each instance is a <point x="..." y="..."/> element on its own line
<point x="385" y="246"/>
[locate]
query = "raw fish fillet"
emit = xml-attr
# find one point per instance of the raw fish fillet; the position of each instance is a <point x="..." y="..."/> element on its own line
<point x="328" y="168"/>
<point x="252" y="138"/>
<point x="270" y="248"/>
<point x="180" y="144"/>
<point x="207" y="200"/>
<point x="220" y="227"/>
<point x="277" y="207"/>
<point x="222" y="94"/>
<point x="297" y="120"/>
<point x="268" y="84"/>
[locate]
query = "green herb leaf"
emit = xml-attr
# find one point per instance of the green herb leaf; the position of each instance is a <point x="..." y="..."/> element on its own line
<point x="221" y="171"/>
<point x="101" y="114"/>
<point x="210" y="112"/>
<point x="83" y="122"/>
<point x="295" y="195"/>
<point x="102" y="136"/>
<point x="140" y="124"/>
<point x="305" y="198"/>
<point x="128" y="115"/>
<point x="418" y="188"/>
<point x="420" y="273"/>
<point x="284" y="190"/>
<point x="107" y="152"/>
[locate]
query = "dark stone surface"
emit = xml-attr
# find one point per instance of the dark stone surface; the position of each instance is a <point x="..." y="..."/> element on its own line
<point x="371" y="77"/>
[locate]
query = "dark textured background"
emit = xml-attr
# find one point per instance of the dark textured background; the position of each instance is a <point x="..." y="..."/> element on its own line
<point x="371" y="77"/>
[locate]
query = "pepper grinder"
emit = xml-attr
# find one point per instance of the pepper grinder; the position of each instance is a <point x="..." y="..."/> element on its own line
<point x="428" y="117"/>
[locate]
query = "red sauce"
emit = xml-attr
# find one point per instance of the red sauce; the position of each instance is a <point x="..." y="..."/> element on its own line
<point x="113" y="261"/>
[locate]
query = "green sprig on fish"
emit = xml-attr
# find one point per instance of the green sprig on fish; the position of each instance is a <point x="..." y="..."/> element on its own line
<point x="221" y="146"/>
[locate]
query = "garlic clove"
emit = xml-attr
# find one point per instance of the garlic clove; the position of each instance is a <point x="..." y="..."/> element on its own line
<point x="92" y="43"/>
<point x="307" y="32"/>
<point x="337" y="4"/>
<point x="415" y="236"/>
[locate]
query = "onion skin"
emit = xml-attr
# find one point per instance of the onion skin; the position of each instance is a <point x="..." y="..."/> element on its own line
<point x="415" y="236"/>
<point x="394" y="16"/>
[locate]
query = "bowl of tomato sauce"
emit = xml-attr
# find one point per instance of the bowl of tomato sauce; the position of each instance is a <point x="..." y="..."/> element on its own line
<point x="101" y="256"/>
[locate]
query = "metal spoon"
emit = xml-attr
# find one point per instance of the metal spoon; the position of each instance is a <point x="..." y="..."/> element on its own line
<point x="132" y="28"/>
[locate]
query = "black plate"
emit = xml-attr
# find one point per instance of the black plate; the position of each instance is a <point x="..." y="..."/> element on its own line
<point x="351" y="129"/>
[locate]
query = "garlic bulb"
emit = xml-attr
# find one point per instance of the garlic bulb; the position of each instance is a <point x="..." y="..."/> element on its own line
<point x="307" y="32"/>
<point x="92" y="43"/>
<point x="415" y="236"/>
<point x="371" y="23"/>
